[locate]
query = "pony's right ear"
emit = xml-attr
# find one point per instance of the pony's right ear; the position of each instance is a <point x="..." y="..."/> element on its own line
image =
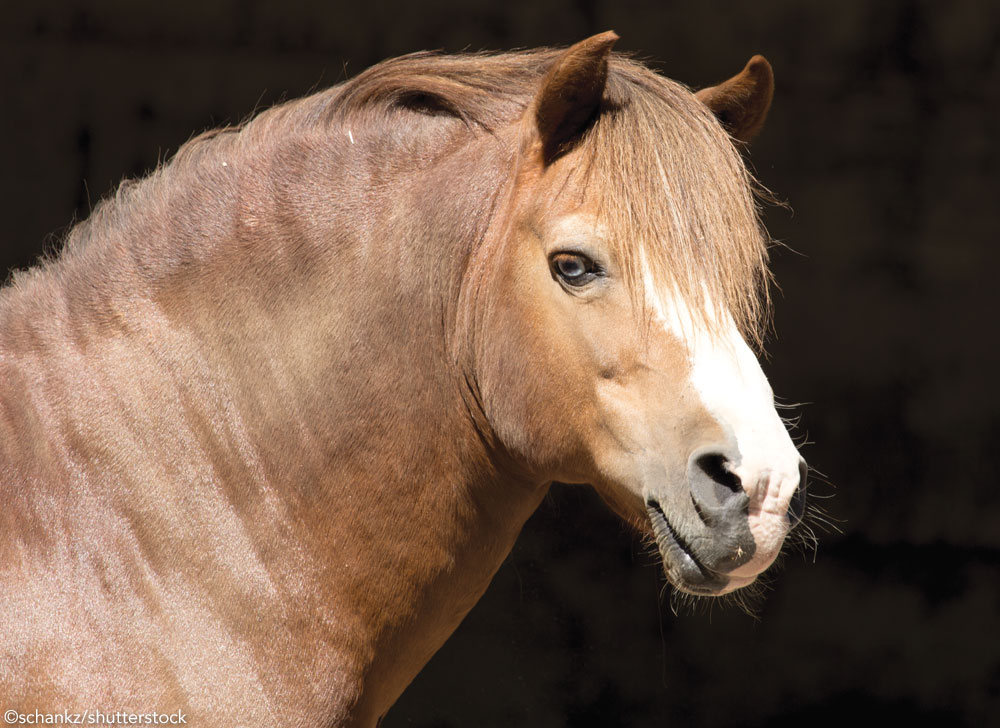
<point x="570" y="93"/>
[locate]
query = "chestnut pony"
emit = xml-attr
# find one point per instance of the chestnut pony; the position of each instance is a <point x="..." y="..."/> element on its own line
<point x="274" y="417"/>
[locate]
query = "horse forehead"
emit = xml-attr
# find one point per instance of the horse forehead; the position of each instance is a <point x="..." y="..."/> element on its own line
<point x="667" y="305"/>
<point x="580" y="223"/>
<point x="703" y="329"/>
<point x="722" y="367"/>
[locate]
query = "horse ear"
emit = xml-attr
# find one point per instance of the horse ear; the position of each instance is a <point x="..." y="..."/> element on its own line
<point x="741" y="103"/>
<point x="571" y="92"/>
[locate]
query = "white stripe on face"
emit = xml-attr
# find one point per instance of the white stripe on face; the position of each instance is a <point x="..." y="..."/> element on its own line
<point x="732" y="387"/>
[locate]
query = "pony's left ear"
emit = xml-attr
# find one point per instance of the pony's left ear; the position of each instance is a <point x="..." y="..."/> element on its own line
<point x="570" y="94"/>
<point x="741" y="103"/>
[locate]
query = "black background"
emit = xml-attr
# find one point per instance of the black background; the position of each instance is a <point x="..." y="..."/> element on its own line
<point x="882" y="138"/>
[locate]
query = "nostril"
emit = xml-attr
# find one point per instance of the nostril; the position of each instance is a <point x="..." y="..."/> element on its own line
<point x="716" y="467"/>
<point x="797" y="508"/>
<point x="713" y="484"/>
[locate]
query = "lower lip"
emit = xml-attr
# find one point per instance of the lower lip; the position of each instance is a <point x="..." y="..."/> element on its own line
<point x="734" y="580"/>
<point x="734" y="583"/>
<point x="737" y="582"/>
<point x="670" y="544"/>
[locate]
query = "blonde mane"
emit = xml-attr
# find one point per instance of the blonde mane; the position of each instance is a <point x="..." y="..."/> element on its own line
<point x="667" y="177"/>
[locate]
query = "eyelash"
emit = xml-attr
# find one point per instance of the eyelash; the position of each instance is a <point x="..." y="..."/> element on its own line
<point x="590" y="269"/>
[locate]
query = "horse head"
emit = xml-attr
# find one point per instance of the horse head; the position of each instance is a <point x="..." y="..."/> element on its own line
<point x="630" y="273"/>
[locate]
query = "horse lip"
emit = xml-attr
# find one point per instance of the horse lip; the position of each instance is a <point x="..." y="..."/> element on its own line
<point x="683" y="567"/>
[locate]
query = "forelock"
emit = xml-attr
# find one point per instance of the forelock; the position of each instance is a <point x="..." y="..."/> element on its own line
<point x="680" y="204"/>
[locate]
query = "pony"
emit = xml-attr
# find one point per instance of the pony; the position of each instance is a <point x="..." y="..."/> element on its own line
<point x="275" y="415"/>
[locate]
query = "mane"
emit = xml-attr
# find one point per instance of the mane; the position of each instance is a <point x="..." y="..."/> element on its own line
<point x="670" y="182"/>
<point x="668" y="179"/>
<point x="679" y="197"/>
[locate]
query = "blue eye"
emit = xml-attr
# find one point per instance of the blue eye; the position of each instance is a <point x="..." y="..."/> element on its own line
<point x="573" y="269"/>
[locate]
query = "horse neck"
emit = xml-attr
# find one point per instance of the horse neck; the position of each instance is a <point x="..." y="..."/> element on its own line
<point x="409" y="498"/>
<point x="293" y="311"/>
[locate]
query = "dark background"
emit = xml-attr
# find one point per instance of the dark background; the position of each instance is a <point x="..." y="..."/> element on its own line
<point x="883" y="139"/>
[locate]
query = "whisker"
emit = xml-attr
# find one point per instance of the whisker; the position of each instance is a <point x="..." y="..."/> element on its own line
<point x="804" y="539"/>
<point x="820" y="475"/>
<point x="824" y="521"/>
<point x="778" y="404"/>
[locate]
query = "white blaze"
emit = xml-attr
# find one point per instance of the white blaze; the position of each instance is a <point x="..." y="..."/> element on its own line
<point x="732" y="387"/>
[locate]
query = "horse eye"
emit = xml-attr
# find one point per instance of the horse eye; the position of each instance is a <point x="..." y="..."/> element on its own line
<point x="574" y="269"/>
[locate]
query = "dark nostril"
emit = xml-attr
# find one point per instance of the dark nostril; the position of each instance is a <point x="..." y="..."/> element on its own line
<point x="713" y="484"/>
<point x="797" y="508"/>
<point x="716" y="467"/>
